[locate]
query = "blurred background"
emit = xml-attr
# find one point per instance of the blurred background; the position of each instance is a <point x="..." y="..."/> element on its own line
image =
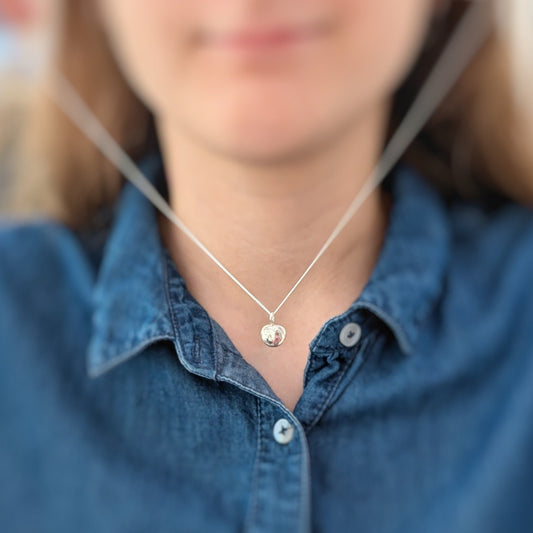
<point x="26" y="37"/>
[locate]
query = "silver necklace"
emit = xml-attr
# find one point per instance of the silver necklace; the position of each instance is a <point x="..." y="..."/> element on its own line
<point x="466" y="39"/>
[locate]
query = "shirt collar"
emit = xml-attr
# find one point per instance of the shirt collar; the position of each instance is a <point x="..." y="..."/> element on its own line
<point x="129" y="303"/>
<point x="131" y="307"/>
<point x="410" y="272"/>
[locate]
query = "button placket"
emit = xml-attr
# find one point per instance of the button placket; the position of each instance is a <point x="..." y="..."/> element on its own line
<point x="280" y="494"/>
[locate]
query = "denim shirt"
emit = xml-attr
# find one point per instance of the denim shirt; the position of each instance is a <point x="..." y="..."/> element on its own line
<point x="124" y="407"/>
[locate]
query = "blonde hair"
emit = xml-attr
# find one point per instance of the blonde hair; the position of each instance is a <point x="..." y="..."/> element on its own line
<point x="475" y="145"/>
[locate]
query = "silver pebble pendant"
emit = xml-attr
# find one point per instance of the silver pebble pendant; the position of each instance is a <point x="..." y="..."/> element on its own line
<point x="273" y="334"/>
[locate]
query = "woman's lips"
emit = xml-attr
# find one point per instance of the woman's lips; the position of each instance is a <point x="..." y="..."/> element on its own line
<point x="264" y="38"/>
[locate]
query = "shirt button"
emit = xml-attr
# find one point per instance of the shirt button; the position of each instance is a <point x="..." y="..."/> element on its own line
<point x="350" y="334"/>
<point x="283" y="431"/>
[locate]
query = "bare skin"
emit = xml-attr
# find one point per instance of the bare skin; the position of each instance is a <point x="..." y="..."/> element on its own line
<point x="266" y="225"/>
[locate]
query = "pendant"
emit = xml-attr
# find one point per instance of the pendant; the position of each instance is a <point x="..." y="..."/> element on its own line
<point x="273" y="334"/>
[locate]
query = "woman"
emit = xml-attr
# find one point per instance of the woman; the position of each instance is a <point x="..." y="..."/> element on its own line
<point x="137" y="394"/>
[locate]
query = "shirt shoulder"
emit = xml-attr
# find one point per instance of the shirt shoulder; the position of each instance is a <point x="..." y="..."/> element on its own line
<point x="491" y="263"/>
<point x="497" y="243"/>
<point x="45" y="266"/>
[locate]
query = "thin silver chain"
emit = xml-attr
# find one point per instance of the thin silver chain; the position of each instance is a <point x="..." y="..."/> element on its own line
<point x="467" y="38"/>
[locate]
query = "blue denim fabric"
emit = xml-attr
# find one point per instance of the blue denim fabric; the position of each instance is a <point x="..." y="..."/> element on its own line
<point x="124" y="407"/>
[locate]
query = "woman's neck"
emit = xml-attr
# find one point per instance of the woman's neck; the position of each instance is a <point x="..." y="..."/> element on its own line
<point x="266" y="221"/>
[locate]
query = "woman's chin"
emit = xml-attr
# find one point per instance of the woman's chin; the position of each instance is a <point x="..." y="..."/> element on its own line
<point x="265" y="149"/>
<point x="266" y="142"/>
